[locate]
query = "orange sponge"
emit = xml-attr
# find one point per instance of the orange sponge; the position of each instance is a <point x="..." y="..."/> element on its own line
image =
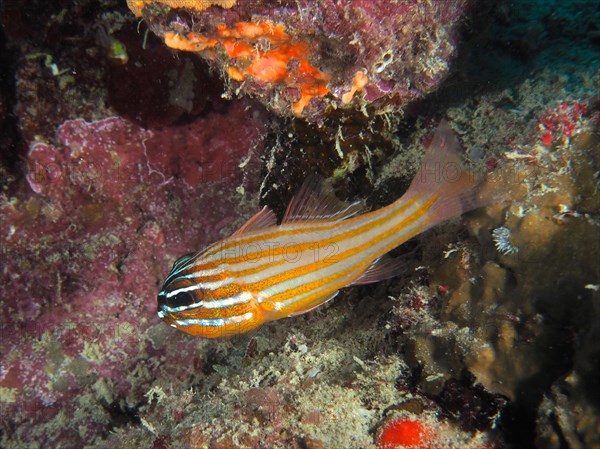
<point x="285" y="61"/>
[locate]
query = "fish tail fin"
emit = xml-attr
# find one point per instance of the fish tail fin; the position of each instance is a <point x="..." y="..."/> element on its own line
<point x="442" y="179"/>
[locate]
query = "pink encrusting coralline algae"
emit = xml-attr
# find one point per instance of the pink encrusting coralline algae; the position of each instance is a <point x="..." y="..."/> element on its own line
<point x="110" y="207"/>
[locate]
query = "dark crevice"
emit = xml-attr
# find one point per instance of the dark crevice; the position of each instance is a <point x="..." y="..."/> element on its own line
<point x="11" y="144"/>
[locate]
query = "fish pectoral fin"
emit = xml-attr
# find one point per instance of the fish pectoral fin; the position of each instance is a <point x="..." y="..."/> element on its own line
<point x="264" y="218"/>
<point x="313" y="305"/>
<point x="383" y="268"/>
<point x="316" y="201"/>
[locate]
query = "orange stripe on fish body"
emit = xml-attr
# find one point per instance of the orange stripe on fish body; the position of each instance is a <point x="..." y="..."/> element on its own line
<point x="264" y="272"/>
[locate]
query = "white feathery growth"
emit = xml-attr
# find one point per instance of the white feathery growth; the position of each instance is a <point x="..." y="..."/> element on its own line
<point x="502" y="241"/>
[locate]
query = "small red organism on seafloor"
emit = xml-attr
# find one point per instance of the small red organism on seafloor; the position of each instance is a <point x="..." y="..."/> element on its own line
<point x="400" y="433"/>
<point x="443" y="289"/>
<point x="565" y="120"/>
<point x="547" y="138"/>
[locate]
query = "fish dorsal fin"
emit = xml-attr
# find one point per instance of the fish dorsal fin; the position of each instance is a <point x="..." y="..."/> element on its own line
<point x="316" y="201"/>
<point x="264" y="218"/>
<point x="383" y="268"/>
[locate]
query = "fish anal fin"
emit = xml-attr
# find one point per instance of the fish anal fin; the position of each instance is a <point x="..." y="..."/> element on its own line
<point x="385" y="267"/>
<point x="264" y="218"/>
<point x="316" y="201"/>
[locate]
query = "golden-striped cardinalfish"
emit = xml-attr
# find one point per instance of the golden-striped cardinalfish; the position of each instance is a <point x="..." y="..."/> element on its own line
<point x="264" y="271"/>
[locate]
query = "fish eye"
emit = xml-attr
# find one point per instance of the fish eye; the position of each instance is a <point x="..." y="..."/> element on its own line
<point x="181" y="299"/>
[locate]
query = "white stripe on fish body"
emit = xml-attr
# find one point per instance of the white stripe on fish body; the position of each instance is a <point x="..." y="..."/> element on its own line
<point x="183" y="263"/>
<point x="202" y="273"/>
<point x="190" y="261"/>
<point x="214" y="322"/>
<point x="238" y="299"/>
<point x="269" y="241"/>
<point x="189" y="288"/>
<point x="397" y="232"/>
<point x="319" y="291"/>
<point x="289" y="261"/>
<point x="334" y="253"/>
<point x="183" y="308"/>
<point x="201" y="286"/>
<point x="352" y="266"/>
<point x="235" y="300"/>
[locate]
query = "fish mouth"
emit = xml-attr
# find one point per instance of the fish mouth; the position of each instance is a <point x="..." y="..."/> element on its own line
<point x="165" y="316"/>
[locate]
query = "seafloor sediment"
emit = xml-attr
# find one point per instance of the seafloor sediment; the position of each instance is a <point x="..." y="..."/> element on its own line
<point x="119" y="155"/>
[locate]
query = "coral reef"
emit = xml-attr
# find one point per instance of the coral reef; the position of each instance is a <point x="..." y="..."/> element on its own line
<point x="131" y="158"/>
<point x="307" y="57"/>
